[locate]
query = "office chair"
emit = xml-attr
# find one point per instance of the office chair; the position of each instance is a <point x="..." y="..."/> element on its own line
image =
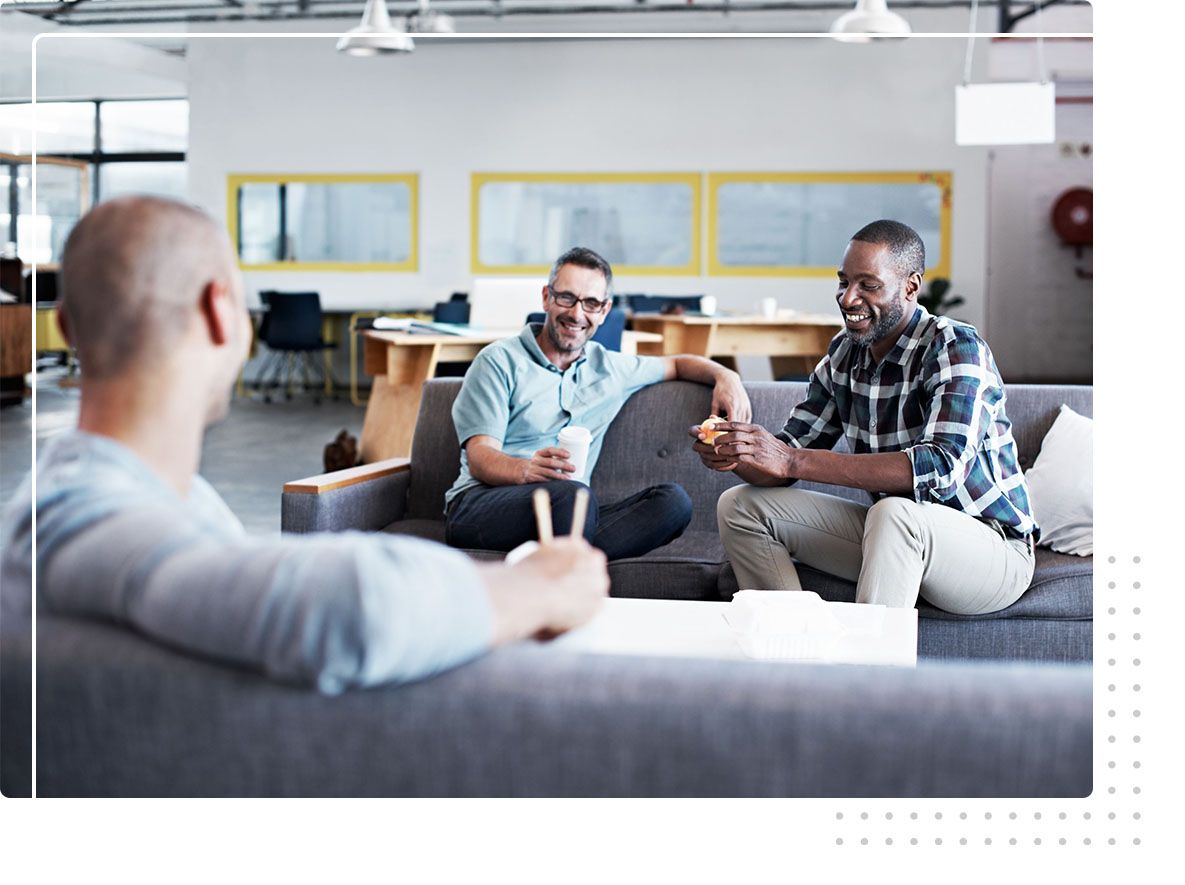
<point x="455" y="310"/>
<point x="656" y="303"/>
<point x="291" y="329"/>
<point x="608" y="334"/>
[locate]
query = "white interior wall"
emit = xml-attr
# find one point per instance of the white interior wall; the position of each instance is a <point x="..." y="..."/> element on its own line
<point x="293" y="104"/>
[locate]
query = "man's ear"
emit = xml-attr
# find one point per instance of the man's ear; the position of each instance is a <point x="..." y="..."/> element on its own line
<point x="545" y="289"/>
<point x="913" y="285"/>
<point x="215" y="308"/>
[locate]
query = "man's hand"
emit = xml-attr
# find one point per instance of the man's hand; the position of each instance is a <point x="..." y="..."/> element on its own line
<point x="751" y="445"/>
<point x="559" y="586"/>
<point x="730" y="399"/>
<point x="545" y="465"/>
<point x="707" y="454"/>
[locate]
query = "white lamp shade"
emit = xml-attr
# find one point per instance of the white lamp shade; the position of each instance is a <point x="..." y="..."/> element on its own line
<point x="1005" y="113"/>
<point x="870" y="18"/>
<point x="375" y="35"/>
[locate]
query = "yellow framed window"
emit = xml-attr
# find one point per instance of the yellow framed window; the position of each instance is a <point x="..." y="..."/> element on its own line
<point x="795" y="224"/>
<point x="642" y="223"/>
<point x="333" y="222"/>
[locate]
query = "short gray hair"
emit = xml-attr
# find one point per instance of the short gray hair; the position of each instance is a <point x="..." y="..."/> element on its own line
<point x="582" y="256"/>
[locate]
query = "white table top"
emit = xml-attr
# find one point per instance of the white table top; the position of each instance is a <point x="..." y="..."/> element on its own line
<point x="680" y="628"/>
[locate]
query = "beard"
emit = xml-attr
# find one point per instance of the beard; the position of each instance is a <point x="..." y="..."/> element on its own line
<point x="553" y="335"/>
<point x="882" y="325"/>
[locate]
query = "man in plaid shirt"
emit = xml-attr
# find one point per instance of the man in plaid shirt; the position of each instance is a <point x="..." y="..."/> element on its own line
<point x="921" y="404"/>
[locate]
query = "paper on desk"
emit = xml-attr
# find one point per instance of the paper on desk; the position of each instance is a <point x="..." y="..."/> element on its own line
<point x="392" y="324"/>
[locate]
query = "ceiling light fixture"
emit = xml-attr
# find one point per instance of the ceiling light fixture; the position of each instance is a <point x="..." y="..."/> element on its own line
<point x="429" y="21"/>
<point x="870" y="18"/>
<point x="375" y="35"/>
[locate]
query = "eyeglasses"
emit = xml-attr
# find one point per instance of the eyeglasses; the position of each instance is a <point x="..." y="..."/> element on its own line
<point x="567" y="299"/>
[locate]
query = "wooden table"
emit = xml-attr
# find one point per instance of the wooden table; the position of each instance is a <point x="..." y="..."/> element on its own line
<point x="794" y="342"/>
<point x="402" y="361"/>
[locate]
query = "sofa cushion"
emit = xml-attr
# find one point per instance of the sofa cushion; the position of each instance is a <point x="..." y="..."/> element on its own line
<point x="686" y="568"/>
<point x="1062" y="589"/>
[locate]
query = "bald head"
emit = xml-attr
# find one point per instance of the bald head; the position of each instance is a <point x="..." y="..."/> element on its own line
<point x="133" y="272"/>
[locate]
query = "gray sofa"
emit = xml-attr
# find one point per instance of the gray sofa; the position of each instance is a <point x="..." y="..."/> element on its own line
<point x="122" y="716"/>
<point x="648" y="443"/>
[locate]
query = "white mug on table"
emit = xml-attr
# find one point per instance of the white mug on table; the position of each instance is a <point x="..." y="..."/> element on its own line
<point x="769" y="308"/>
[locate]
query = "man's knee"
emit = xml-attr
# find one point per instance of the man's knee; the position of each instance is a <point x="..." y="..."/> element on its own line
<point x="893" y="517"/>
<point x="562" y="493"/>
<point x="745" y="504"/>
<point x="735" y="504"/>
<point x="675" y="502"/>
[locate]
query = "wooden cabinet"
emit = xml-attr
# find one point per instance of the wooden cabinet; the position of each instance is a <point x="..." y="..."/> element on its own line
<point x="16" y="350"/>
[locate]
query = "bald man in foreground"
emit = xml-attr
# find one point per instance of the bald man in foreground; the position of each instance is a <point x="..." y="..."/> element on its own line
<point x="126" y="530"/>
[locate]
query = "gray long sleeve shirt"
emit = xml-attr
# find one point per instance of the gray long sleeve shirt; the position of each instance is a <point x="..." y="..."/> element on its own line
<point x="335" y="610"/>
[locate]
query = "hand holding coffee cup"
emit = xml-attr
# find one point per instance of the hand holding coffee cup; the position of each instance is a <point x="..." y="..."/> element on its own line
<point x="545" y="465"/>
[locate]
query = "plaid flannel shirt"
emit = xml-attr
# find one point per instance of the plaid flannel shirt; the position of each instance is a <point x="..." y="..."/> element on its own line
<point x="938" y="397"/>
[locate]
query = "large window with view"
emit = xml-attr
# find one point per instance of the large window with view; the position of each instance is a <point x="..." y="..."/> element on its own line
<point x="86" y="152"/>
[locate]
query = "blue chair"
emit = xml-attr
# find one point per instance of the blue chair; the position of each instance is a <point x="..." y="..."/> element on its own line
<point x="454" y="311"/>
<point x="291" y="329"/>
<point x="608" y="334"/>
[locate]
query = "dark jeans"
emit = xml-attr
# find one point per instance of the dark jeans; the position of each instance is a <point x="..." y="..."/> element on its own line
<point x="502" y="517"/>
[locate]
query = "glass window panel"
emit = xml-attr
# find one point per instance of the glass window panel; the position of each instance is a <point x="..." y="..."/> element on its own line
<point x="353" y="222"/>
<point x="785" y="224"/>
<point x="339" y="222"/>
<point x="639" y="224"/>
<point x="259" y="223"/>
<point x="145" y="125"/>
<point x="42" y="229"/>
<point x="62" y="127"/>
<point x="162" y="179"/>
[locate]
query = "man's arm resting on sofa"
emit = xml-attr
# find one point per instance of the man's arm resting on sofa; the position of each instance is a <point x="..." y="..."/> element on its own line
<point x="729" y="397"/>
<point x="366" y="498"/>
<point x="490" y="465"/>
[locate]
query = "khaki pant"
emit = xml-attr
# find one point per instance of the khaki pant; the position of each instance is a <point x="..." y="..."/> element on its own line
<point x="893" y="549"/>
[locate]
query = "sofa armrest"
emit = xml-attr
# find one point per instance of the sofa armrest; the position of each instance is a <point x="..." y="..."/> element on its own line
<point x="366" y="498"/>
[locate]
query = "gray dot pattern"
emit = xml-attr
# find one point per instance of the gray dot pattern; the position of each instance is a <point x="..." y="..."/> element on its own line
<point x="1114" y="756"/>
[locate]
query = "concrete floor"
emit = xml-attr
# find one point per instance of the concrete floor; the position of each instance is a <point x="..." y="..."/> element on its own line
<point x="247" y="457"/>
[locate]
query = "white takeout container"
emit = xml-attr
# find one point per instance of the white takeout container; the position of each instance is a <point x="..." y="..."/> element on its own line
<point x="783" y="625"/>
<point x="521" y="552"/>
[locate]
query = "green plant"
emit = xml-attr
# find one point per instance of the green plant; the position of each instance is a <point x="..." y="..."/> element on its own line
<point x="935" y="298"/>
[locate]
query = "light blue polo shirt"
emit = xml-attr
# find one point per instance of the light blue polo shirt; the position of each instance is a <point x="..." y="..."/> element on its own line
<point x="513" y="393"/>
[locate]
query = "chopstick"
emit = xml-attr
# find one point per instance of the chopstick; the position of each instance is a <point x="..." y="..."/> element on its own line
<point x="579" y="511"/>
<point x="542" y="503"/>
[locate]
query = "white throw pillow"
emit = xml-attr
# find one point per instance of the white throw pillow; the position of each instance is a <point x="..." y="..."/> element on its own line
<point x="1061" y="485"/>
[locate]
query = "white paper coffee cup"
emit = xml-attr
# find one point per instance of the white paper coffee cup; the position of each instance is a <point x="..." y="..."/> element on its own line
<point x="577" y="441"/>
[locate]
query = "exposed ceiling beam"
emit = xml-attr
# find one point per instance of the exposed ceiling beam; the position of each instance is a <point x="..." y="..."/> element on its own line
<point x="117" y="12"/>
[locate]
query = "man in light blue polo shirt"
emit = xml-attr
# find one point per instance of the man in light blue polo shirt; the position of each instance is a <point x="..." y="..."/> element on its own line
<point x="521" y="392"/>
